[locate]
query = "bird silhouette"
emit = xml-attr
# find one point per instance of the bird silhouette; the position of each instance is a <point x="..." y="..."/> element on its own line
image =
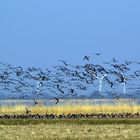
<point x="57" y="100"/>
<point x="35" y="102"/>
<point x="72" y="90"/>
<point x="86" y="58"/>
<point x="97" y="54"/>
<point x="58" y="87"/>
<point x="27" y="111"/>
<point x="114" y="60"/>
<point x="64" y="62"/>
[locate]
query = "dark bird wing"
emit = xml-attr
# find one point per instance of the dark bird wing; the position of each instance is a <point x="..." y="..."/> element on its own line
<point x="57" y="100"/>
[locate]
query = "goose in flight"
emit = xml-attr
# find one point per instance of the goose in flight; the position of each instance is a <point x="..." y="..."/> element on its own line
<point x="57" y="100"/>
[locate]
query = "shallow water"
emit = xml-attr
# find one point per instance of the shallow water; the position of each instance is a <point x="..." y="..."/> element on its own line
<point x="71" y="102"/>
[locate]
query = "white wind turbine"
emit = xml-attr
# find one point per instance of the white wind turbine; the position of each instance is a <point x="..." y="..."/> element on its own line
<point x="124" y="87"/>
<point x="100" y="82"/>
<point x="39" y="84"/>
<point x="123" y="83"/>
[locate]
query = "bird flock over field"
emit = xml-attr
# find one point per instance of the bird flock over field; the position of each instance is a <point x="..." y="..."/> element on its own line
<point x="66" y="80"/>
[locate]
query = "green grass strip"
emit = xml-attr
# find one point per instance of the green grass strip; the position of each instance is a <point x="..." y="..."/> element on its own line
<point x="69" y="121"/>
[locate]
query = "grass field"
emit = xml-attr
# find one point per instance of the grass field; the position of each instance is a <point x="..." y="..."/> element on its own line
<point x="71" y="129"/>
<point x="112" y="129"/>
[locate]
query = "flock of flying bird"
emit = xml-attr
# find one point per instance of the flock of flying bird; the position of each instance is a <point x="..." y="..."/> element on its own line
<point x="66" y="80"/>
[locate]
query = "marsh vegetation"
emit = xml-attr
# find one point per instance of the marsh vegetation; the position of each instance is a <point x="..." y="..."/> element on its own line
<point x="70" y="106"/>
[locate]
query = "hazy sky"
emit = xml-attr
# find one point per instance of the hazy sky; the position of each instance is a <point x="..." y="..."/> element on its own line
<point x="39" y="32"/>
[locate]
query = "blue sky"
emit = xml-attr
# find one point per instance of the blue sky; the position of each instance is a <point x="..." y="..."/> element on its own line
<point x="39" y="32"/>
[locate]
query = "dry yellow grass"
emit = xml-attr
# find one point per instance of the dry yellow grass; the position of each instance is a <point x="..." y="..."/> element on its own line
<point x="118" y="108"/>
